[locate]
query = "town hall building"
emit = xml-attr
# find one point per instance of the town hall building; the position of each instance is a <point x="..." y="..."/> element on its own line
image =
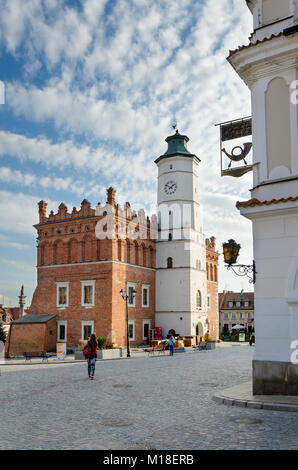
<point x="164" y="264"/>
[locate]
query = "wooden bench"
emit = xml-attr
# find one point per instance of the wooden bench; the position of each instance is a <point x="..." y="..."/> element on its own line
<point x="28" y="355"/>
<point x="156" y="349"/>
<point x="201" y="346"/>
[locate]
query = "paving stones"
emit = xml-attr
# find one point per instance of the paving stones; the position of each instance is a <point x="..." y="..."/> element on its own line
<point x="138" y="404"/>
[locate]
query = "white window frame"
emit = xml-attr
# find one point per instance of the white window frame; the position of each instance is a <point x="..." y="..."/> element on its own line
<point x="147" y="288"/>
<point x="85" y="284"/>
<point x="132" y="322"/>
<point x="133" y="285"/>
<point x="58" y="286"/>
<point x="86" y="323"/>
<point x="148" y="322"/>
<point x="61" y="323"/>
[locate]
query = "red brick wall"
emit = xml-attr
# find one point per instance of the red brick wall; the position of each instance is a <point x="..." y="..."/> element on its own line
<point x="68" y="250"/>
<point x="32" y="337"/>
<point x="212" y="287"/>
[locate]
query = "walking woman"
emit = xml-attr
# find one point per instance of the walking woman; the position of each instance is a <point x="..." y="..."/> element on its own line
<point x="92" y="357"/>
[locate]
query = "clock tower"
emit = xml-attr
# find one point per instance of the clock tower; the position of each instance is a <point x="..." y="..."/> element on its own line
<point x="181" y="284"/>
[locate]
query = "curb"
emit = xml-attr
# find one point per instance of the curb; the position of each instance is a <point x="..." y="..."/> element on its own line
<point x="255" y="404"/>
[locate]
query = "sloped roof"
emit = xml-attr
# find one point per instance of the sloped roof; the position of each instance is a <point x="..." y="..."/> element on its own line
<point x="34" y="318"/>
<point x="226" y="297"/>
<point x="255" y="202"/>
<point x="251" y="44"/>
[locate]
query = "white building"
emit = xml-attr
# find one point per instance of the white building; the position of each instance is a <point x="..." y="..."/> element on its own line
<point x="268" y="66"/>
<point x="181" y="282"/>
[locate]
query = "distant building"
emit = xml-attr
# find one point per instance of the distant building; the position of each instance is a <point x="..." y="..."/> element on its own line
<point x="236" y="308"/>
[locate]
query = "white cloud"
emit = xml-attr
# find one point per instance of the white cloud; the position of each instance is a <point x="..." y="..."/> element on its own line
<point x="116" y="83"/>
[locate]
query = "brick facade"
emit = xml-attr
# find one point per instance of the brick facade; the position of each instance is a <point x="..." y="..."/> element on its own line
<point x="81" y="270"/>
<point x="70" y="255"/>
<point x="212" y="287"/>
<point x="31" y="336"/>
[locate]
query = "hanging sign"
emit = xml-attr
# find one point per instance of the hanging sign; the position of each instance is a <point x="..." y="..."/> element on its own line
<point x="237" y="156"/>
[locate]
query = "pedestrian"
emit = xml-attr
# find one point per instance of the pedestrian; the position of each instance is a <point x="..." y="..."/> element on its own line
<point x="171" y="343"/>
<point x="250" y="340"/>
<point x="92" y="356"/>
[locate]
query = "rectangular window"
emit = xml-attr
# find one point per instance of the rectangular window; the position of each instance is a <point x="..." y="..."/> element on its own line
<point x="131" y="330"/>
<point x="87" y="332"/>
<point x="88" y="294"/>
<point x="238" y="304"/>
<point x="146" y="329"/>
<point x="88" y="288"/>
<point x="226" y="316"/>
<point x="249" y="315"/>
<point x="230" y="304"/>
<point x="246" y="303"/>
<point x="61" y="331"/>
<point x="87" y="328"/>
<point x="241" y="315"/>
<point x="145" y="296"/>
<point x="234" y="316"/>
<point x="131" y="296"/>
<point x="62" y="294"/>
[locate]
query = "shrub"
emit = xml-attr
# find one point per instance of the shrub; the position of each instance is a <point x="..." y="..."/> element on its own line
<point x="102" y="342"/>
<point x="81" y="345"/>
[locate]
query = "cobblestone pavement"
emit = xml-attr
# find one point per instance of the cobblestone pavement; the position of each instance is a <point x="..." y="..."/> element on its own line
<point x="158" y="403"/>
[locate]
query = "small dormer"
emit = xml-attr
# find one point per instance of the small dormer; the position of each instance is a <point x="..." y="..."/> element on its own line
<point x="268" y="12"/>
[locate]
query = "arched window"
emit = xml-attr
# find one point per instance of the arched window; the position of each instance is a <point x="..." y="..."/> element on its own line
<point x="199" y="299"/>
<point x="169" y="262"/>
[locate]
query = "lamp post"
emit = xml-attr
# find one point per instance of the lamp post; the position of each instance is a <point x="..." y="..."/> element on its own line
<point x="125" y="297"/>
<point x="231" y="251"/>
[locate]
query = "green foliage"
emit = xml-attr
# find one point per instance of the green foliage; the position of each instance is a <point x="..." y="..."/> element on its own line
<point x="102" y="342"/>
<point x="82" y="345"/>
<point x="2" y="334"/>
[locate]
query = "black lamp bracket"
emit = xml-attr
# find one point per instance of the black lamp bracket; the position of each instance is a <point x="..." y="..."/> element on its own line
<point x="245" y="270"/>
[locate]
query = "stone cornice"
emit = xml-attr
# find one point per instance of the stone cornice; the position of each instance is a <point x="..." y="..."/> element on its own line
<point x="265" y="58"/>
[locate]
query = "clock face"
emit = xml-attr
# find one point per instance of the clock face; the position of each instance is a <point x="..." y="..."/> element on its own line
<point x="170" y="187"/>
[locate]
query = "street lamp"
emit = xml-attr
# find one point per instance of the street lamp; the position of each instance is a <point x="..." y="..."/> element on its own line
<point x="231" y="251"/>
<point x="125" y="297"/>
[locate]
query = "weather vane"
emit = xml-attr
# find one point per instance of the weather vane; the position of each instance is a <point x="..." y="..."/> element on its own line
<point x="174" y="126"/>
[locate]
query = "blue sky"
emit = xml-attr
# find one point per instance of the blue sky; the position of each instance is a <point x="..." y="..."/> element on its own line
<point x="92" y="88"/>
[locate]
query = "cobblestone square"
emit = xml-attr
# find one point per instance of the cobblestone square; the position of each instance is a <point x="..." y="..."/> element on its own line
<point x="158" y="403"/>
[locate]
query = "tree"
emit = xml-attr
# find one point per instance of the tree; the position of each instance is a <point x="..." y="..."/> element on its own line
<point x="2" y="333"/>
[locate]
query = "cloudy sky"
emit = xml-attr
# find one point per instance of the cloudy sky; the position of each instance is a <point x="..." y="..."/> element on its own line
<point x="92" y="89"/>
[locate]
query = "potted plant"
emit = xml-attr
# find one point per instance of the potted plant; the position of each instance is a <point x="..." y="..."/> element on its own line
<point x="107" y="350"/>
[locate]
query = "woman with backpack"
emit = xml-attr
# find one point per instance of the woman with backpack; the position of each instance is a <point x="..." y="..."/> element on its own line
<point x="90" y="352"/>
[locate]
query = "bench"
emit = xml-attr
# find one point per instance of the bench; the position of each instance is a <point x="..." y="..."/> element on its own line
<point x="28" y="355"/>
<point x="201" y="346"/>
<point x="156" y="349"/>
